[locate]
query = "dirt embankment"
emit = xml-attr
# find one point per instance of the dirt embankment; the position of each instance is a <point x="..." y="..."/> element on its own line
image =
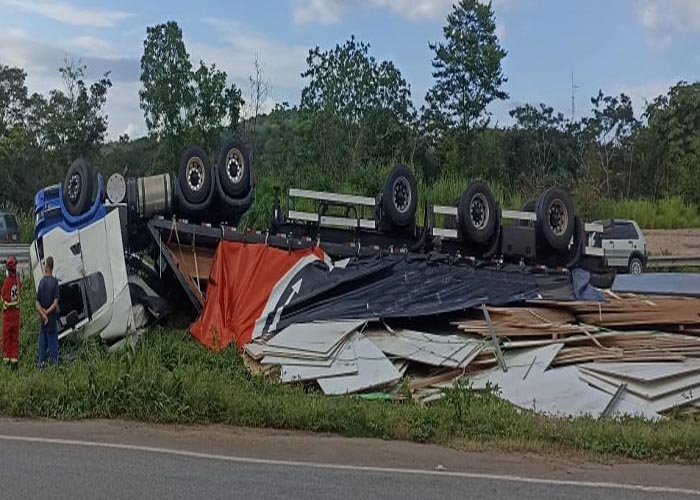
<point x="679" y="242"/>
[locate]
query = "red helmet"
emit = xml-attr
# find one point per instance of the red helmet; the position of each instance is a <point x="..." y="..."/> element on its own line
<point x="11" y="263"/>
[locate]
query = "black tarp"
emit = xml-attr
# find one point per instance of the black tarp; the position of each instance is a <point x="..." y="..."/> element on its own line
<point x="404" y="286"/>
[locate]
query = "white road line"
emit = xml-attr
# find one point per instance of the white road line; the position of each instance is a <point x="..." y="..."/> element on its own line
<point x="356" y="468"/>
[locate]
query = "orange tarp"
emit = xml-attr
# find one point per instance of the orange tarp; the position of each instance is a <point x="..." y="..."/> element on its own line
<point x="241" y="280"/>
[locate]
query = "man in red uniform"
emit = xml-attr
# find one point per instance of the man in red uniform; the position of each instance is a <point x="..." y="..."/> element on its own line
<point x="10" y="314"/>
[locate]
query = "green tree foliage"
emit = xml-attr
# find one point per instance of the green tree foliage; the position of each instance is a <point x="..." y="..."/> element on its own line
<point x="182" y="106"/>
<point x="40" y="136"/>
<point x="539" y="150"/>
<point x="359" y="109"/>
<point x="166" y="72"/>
<point x="468" y="77"/>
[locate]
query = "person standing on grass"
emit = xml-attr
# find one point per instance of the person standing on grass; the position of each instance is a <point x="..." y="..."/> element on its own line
<point x="10" y="313"/>
<point x="47" y="306"/>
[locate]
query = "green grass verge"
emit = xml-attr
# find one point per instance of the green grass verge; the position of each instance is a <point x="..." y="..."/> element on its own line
<point x="666" y="213"/>
<point x="170" y="378"/>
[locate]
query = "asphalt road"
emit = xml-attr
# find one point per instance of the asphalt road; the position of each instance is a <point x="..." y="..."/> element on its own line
<point x="45" y="466"/>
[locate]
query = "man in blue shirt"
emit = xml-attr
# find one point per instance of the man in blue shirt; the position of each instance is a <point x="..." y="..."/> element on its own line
<point x="47" y="306"/>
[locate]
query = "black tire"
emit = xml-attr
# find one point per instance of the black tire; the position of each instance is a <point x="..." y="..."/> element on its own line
<point x="528" y="206"/>
<point x="234" y="168"/>
<point x="578" y="247"/>
<point x="400" y="196"/>
<point x="478" y="213"/>
<point x="195" y="175"/>
<point x="78" y="187"/>
<point x="602" y="279"/>
<point x="635" y="265"/>
<point x="556" y="218"/>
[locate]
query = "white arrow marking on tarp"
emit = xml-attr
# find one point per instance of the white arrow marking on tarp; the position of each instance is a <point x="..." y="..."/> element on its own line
<point x="296" y="287"/>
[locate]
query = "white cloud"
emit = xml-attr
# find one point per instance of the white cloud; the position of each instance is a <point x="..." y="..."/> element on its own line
<point x="68" y="13"/>
<point x="331" y="11"/>
<point x="665" y="18"/>
<point x="239" y="44"/>
<point x="92" y="45"/>
<point x="41" y="62"/>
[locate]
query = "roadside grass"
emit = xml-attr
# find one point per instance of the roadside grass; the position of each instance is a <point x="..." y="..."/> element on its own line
<point x="666" y="213"/>
<point x="169" y="378"/>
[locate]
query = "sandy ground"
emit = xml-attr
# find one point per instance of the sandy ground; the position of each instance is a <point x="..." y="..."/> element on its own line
<point x="678" y="242"/>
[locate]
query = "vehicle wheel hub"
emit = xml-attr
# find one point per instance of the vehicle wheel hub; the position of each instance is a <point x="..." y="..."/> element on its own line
<point x="195" y="174"/>
<point x="74" y="185"/>
<point x="479" y="211"/>
<point x="402" y="194"/>
<point x="234" y="165"/>
<point x="558" y="217"/>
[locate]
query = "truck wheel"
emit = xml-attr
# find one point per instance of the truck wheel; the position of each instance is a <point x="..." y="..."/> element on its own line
<point x="78" y="187"/>
<point x="400" y="196"/>
<point x="478" y="212"/>
<point x="195" y="175"/>
<point x="528" y="206"/>
<point x="555" y="218"/>
<point x="234" y="168"/>
<point x="635" y="266"/>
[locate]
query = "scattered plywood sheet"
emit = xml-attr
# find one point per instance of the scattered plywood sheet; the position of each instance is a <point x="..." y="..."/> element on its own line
<point x="655" y="389"/>
<point x="290" y="354"/>
<point x="520" y="365"/>
<point x="314" y="337"/>
<point x="645" y="372"/>
<point x="343" y="364"/>
<point x="432" y="350"/>
<point x="659" y="405"/>
<point x="401" y="365"/>
<point x="373" y="370"/>
<point x="255" y="350"/>
<point x="560" y="392"/>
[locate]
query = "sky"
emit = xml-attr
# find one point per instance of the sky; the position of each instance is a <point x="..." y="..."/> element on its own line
<point x="639" y="47"/>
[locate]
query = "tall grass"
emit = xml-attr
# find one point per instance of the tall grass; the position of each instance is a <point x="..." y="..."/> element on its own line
<point x="666" y="213"/>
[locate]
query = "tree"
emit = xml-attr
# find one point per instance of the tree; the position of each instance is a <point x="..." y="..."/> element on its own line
<point x="467" y="74"/>
<point x="362" y="107"/>
<point x="215" y="106"/>
<point x="539" y="149"/>
<point x="165" y="74"/>
<point x="607" y="131"/>
<point x="674" y="127"/>
<point x="13" y="97"/>
<point x="76" y="123"/>
<point x="182" y="105"/>
<point x="259" y="91"/>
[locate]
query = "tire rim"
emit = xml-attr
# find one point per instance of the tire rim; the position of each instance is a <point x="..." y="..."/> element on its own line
<point x="74" y="186"/>
<point x="195" y="174"/>
<point x="636" y="267"/>
<point x="402" y="194"/>
<point x="558" y="217"/>
<point x="479" y="211"/>
<point x="235" y="165"/>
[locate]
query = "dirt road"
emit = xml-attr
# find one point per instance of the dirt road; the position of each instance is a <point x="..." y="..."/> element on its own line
<point x="678" y="242"/>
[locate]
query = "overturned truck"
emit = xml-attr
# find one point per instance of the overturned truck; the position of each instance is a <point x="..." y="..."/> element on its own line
<point x="125" y="250"/>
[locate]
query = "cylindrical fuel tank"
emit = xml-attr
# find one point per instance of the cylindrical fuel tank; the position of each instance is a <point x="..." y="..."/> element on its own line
<point x="148" y="196"/>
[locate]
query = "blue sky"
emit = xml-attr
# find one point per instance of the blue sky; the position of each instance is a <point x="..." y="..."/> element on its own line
<point x="639" y="47"/>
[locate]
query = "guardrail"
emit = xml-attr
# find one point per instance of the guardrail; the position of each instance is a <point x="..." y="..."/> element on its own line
<point x="672" y="261"/>
<point x="20" y="251"/>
